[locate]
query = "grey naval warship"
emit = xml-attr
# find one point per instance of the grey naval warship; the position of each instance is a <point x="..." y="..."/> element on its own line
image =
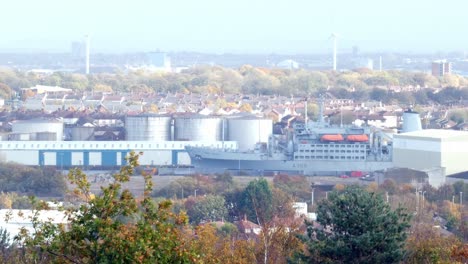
<point x="309" y="148"/>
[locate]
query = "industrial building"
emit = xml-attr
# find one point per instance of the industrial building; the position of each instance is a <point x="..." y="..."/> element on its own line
<point x="161" y="138"/>
<point x="436" y="150"/>
<point x="100" y="154"/>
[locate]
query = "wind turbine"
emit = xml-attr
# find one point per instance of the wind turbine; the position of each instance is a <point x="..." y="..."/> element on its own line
<point x="334" y="37"/>
<point x="87" y="43"/>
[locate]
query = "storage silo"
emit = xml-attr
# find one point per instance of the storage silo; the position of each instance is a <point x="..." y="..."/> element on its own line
<point x="46" y="136"/>
<point x="38" y="126"/>
<point x="82" y="133"/>
<point x="411" y="121"/>
<point x="148" y="128"/>
<point x="248" y="131"/>
<point x="199" y="128"/>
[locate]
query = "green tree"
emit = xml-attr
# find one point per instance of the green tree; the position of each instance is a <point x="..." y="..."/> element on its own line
<point x="357" y="227"/>
<point x="378" y="94"/>
<point x="257" y="201"/>
<point x="208" y="208"/>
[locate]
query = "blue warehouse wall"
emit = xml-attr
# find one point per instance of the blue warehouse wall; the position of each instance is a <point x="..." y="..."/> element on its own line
<point x="63" y="159"/>
<point x="86" y="158"/>
<point x="109" y="158"/>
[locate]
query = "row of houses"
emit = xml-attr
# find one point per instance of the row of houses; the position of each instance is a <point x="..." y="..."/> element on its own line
<point x="63" y="103"/>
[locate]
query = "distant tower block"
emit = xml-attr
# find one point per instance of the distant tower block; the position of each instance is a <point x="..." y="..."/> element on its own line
<point x="441" y="68"/>
<point x="411" y="121"/>
<point x="87" y="53"/>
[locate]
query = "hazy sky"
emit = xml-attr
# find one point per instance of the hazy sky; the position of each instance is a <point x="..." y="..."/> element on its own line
<point x="264" y="26"/>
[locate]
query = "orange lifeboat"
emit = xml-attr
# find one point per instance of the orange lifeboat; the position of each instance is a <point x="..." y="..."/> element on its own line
<point x="357" y="138"/>
<point x="334" y="137"/>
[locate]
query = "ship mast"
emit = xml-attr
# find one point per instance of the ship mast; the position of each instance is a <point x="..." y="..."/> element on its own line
<point x="320" y="114"/>
<point x="305" y="110"/>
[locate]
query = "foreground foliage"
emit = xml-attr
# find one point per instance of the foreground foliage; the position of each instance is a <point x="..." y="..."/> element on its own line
<point x="114" y="227"/>
<point x="427" y="245"/>
<point x="357" y="227"/>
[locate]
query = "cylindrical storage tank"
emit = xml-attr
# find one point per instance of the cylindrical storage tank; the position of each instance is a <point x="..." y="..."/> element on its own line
<point x="19" y="137"/>
<point x="37" y="126"/>
<point x="199" y="128"/>
<point x="82" y="133"/>
<point x="411" y="121"/>
<point x="46" y="136"/>
<point x="148" y="128"/>
<point x="248" y="131"/>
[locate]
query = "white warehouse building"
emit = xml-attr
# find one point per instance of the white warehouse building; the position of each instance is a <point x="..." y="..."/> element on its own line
<point x="66" y="154"/>
<point x="440" y="150"/>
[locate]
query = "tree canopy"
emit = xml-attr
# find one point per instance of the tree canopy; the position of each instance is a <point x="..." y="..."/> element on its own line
<point x="246" y="79"/>
<point x="357" y="227"/>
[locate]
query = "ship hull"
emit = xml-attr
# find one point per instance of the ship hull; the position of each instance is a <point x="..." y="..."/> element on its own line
<point x="216" y="160"/>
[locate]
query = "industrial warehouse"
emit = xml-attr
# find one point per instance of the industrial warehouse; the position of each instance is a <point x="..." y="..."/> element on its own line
<point x="161" y="138"/>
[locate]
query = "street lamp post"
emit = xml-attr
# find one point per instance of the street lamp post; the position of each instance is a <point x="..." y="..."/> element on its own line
<point x="422" y="195"/>
<point x="461" y="198"/>
<point x="417" y="200"/>
<point x="312" y="186"/>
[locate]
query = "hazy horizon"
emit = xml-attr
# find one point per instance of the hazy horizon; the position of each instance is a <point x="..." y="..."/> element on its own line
<point x="208" y="26"/>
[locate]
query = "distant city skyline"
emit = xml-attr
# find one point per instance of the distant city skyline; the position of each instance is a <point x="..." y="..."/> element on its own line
<point x="243" y="26"/>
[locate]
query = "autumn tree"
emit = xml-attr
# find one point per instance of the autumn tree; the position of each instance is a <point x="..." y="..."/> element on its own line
<point x="272" y="210"/>
<point x="222" y="249"/>
<point x="245" y="107"/>
<point x="426" y="244"/>
<point x="114" y="227"/>
<point x="5" y="91"/>
<point x="357" y="227"/>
